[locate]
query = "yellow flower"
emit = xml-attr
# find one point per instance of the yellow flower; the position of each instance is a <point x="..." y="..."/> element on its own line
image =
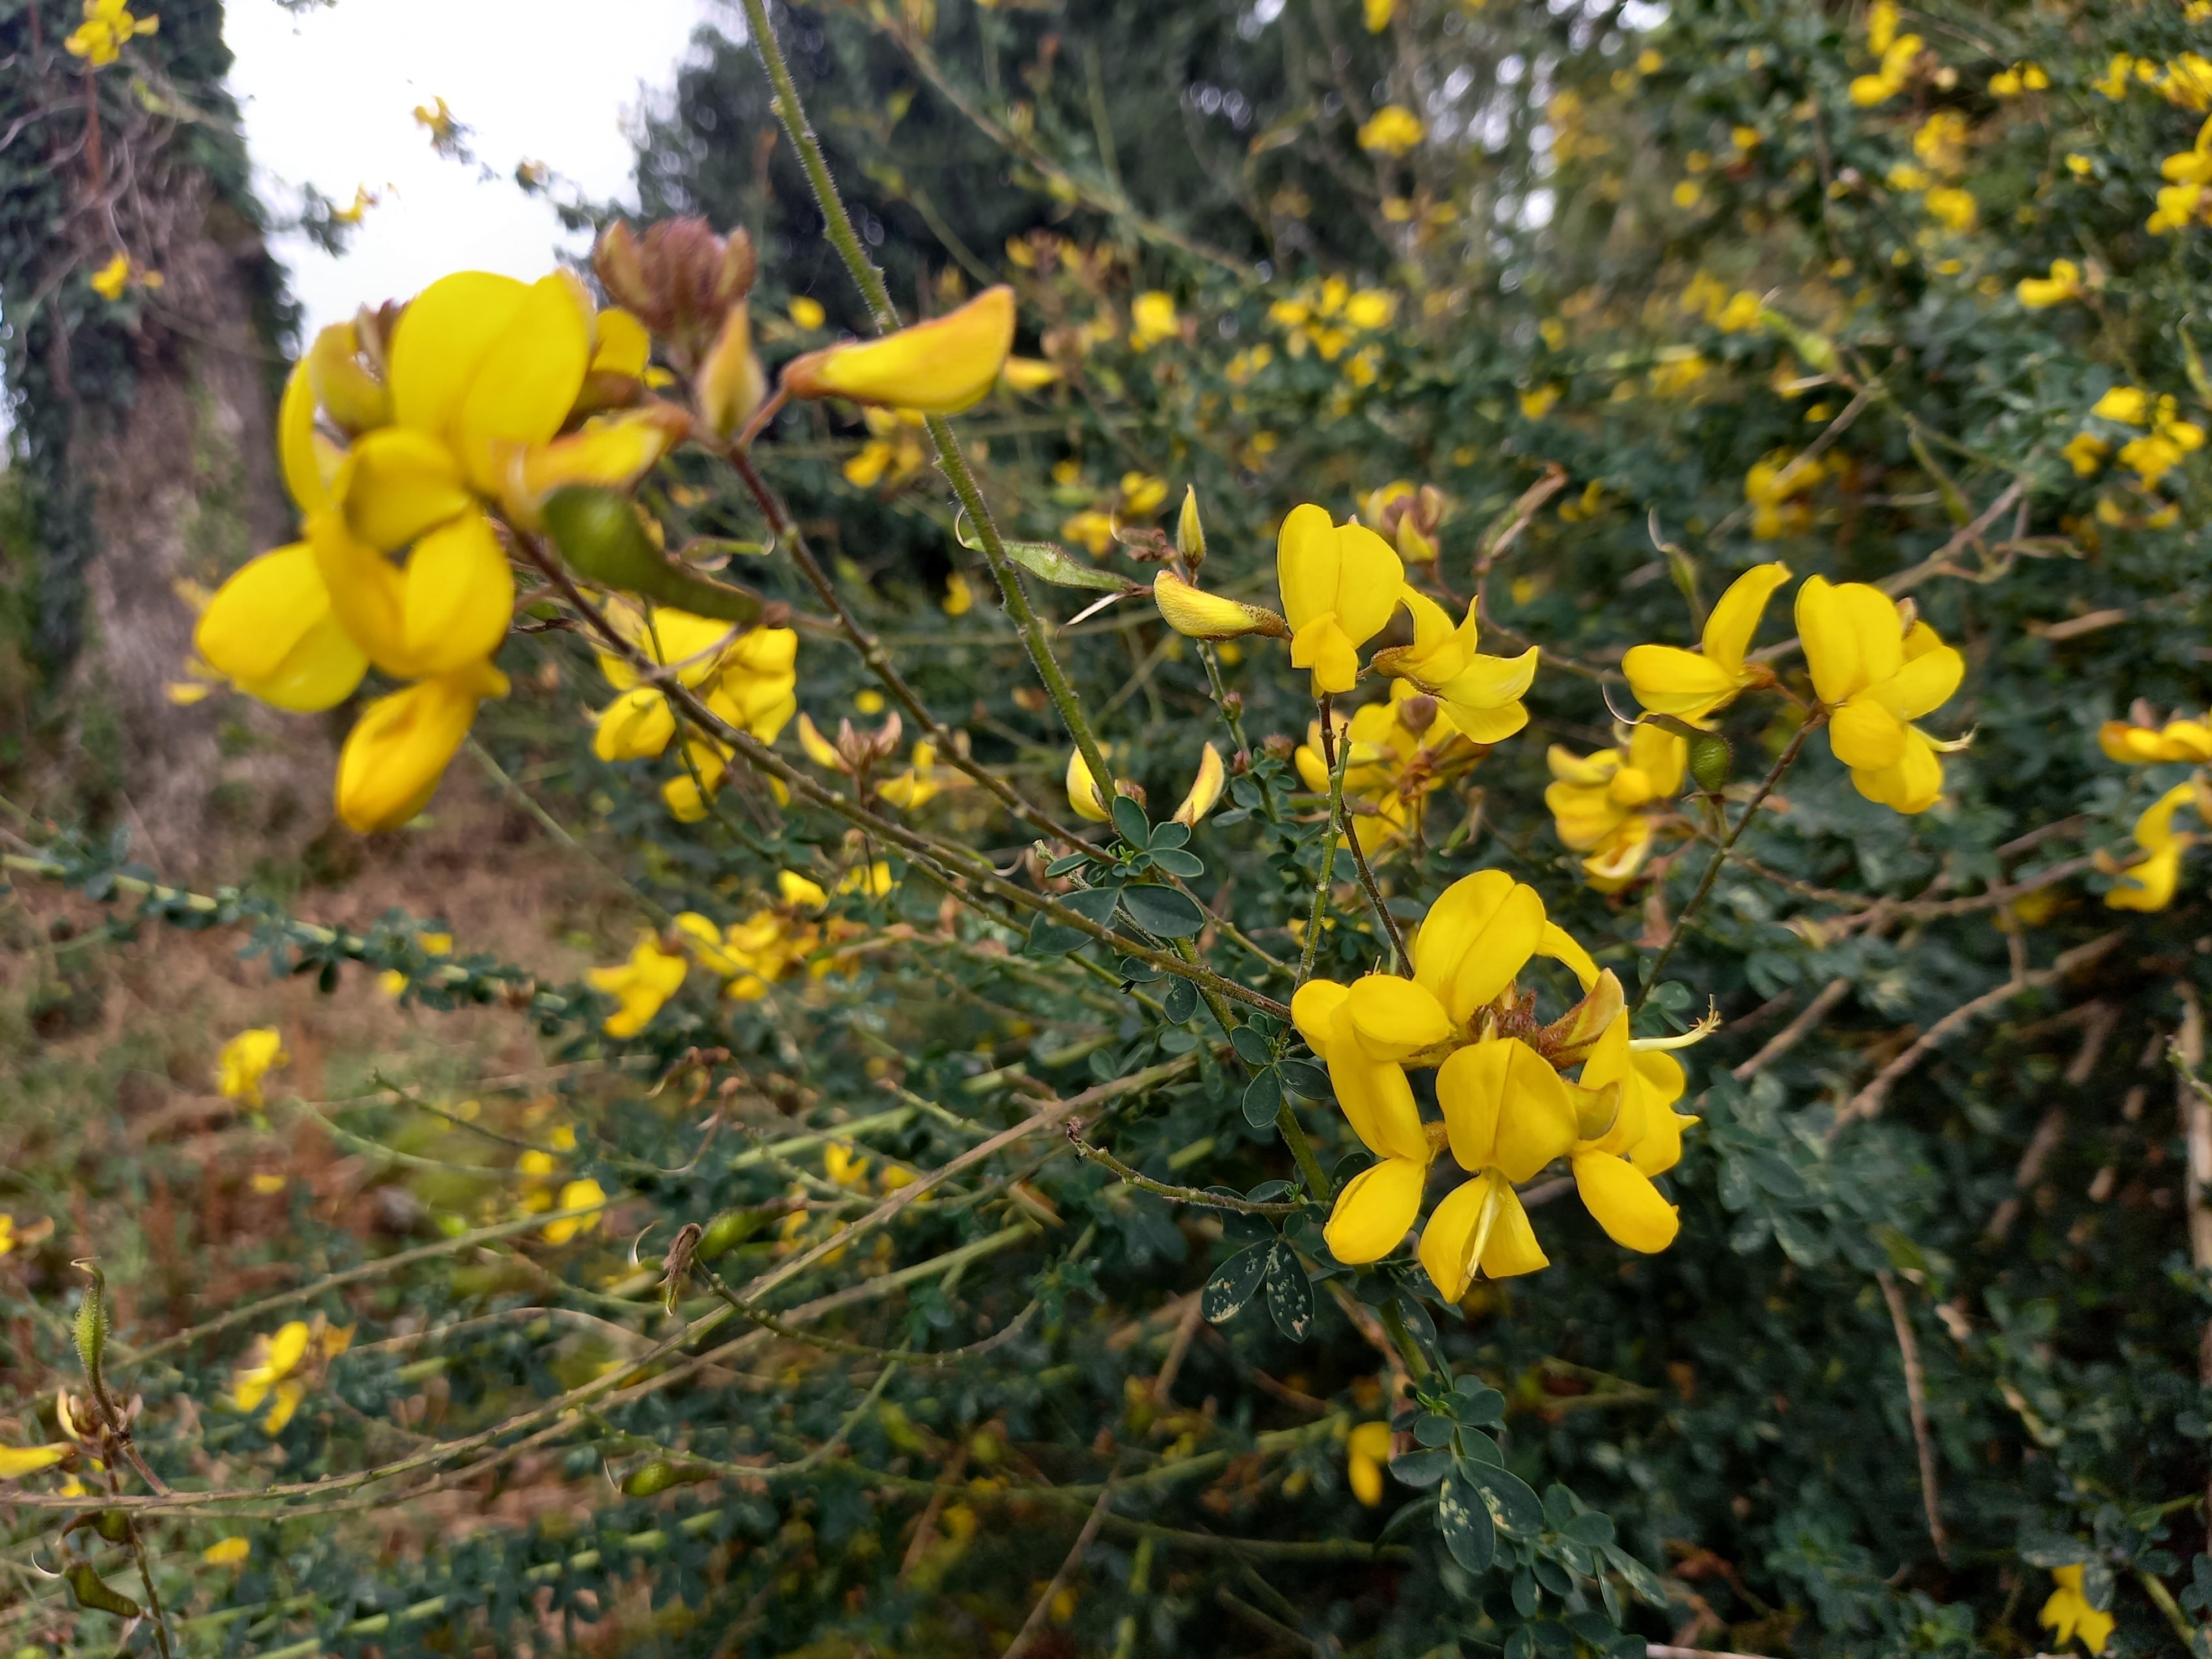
<point x="2069" y="1613"/>
<point x="1363" y="1032"/>
<point x="959" y="598"/>
<point x="2064" y="283"/>
<point x="1084" y="799"/>
<point x="7" y="1232"/>
<point x="1142" y="494"/>
<point x="226" y="1551"/>
<point x="16" y="1461"/>
<point x="2149" y="884"/>
<point x="1392" y="130"/>
<point x="938" y="368"/>
<point x="575" y="1195"/>
<point x="1091" y="530"/>
<point x="1613" y="1165"/>
<point x="111" y="278"/>
<point x="2131" y="406"/>
<point x="2145" y="746"/>
<point x="398" y="749"/>
<point x="807" y="313"/>
<point x="641" y="985"/>
<point x="845" y="1165"/>
<point x="920" y="782"/>
<point x="269" y="630"/>
<point x="246" y="1059"/>
<point x="893" y="453"/>
<point x="1956" y="208"/>
<point x="1670" y="681"/>
<point x="1536" y="403"/>
<point x="1340" y="586"/>
<point x="107" y="27"/>
<point x="1740" y="314"/>
<point x="436" y="118"/>
<point x="745" y="676"/>
<point x="2020" y="77"/>
<point x="273" y="1369"/>
<point x="1481" y="694"/>
<point x="1029" y="373"/>
<point x="1367" y="1454"/>
<point x="1876" y="676"/>
<point x="1596" y="801"/>
<point x="1205" y="793"/>
<point x="1378" y="15"/>
<point x="1152" y="318"/>
<point x="1508" y="1113"/>
<point x="1898" y="57"/>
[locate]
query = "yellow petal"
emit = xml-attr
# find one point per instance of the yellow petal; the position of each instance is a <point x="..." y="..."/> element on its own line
<point x="1513" y="1249"/>
<point x="1730" y="628"/>
<point x="1323" y="646"/>
<point x="636" y="726"/>
<point x="395" y="484"/>
<point x="1671" y="681"/>
<point x="442" y="340"/>
<point x="818" y="748"/>
<point x="343" y="384"/>
<point x="1625" y="1203"/>
<point x="1866" y="735"/>
<point x="1831" y="649"/>
<point x="296" y="444"/>
<point x="1489" y="683"/>
<point x="1922" y="685"/>
<point x="1560" y="945"/>
<point x="1504" y="1108"/>
<point x="1200" y="615"/>
<point x="523" y="390"/>
<point x="1911" y="783"/>
<point x="731" y="384"/>
<point x="1205" y="788"/>
<point x="16" y="1461"/>
<point x="1395" y="1018"/>
<point x="620" y="344"/>
<point x="287" y="1347"/>
<point x="613" y="451"/>
<point x="940" y="367"/>
<point x="1375" y="1209"/>
<point x="459" y="598"/>
<point x="270" y="628"/>
<point x="1377" y="1099"/>
<point x="398" y="748"/>
<point x="1457" y="1230"/>
<point x="1083" y="796"/>
<point x="1346" y="571"/>
<point x="1314" y="1010"/>
<point x="289" y="1395"/>
<point x="1477" y="936"/>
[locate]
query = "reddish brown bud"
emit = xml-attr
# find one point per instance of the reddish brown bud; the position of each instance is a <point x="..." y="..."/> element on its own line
<point x="679" y="279"/>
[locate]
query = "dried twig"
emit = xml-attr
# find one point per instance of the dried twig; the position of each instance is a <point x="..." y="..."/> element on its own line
<point x="1916" y="1398"/>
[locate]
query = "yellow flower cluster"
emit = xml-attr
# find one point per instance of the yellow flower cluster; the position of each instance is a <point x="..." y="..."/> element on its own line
<point x="1401" y="753"/>
<point x="2041" y="293"/>
<point x="2068" y="1612"/>
<point x="119" y="273"/>
<point x="280" y="1368"/>
<point x="1329" y="317"/>
<point x="893" y="453"/>
<point x="1508" y="1109"/>
<point x="1898" y="54"/>
<point x="2148" y="882"/>
<point x="1607" y="805"/>
<point x="748" y="955"/>
<point x="2185" y="199"/>
<point x="244" y="1061"/>
<point x="1707" y="296"/>
<point x="1392" y="130"/>
<point x="2158" y="451"/>
<point x="745" y="676"/>
<point x="108" y="27"/>
<point x="1774" y="489"/>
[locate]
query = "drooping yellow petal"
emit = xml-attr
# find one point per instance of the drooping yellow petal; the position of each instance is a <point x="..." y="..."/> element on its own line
<point x="1923" y="685"/>
<point x="1205" y="788"/>
<point x="296" y="444"/>
<point x="940" y="367"/>
<point x="1562" y="946"/>
<point x="1911" y="783"/>
<point x="397" y="484"/>
<point x="399" y="747"/>
<point x="1083" y="797"/>
<point x="1504" y="1108"/>
<point x="1865" y="734"/>
<point x="612" y="452"/>
<point x="1313" y="1010"/>
<point x="1625" y="1203"/>
<point x="1489" y="683"/>
<point x="1394" y="1017"/>
<point x="1375" y="1209"/>
<point x="459" y="596"/>
<point x="1480" y="1223"/>
<point x="1323" y="646"/>
<point x="1377" y="1099"/>
<point x="1735" y="619"/>
<point x="528" y="380"/>
<point x="16" y="1461"/>
<point x="1832" y="650"/>
<point x="620" y="343"/>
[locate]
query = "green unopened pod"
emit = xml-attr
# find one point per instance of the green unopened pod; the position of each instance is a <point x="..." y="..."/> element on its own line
<point x="92" y="1591"/>
<point x="602" y="534"/>
<point x="727" y="1231"/>
<point x="655" y="1478"/>
<point x="1712" y="761"/>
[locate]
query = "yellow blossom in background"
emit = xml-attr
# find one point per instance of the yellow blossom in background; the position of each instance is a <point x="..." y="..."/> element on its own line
<point x="226" y="1551"/>
<point x="1366" y="1456"/>
<point x="2068" y="1615"/>
<point x="1692" y="684"/>
<point x="2063" y="283"/>
<point x="1898" y="53"/>
<point x="436" y="118"/>
<point x="1090" y="529"/>
<point x="1954" y="208"/>
<point x="1152" y="318"/>
<point x="244" y="1061"/>
<point x="1536" y="403"/>
<point x="1142" y="494"/>
<point x="893" y="453"/>
<point x="1772" y="488"/>
<point x="1392" y="130"/>
<point x="921" y="781"/>
<point x="1340" y="584"/>
<point x="2161" y="449"/>
<point x="363" y="199"/>
<point x="109" y="281"/>
<point x="2148" y="883"/>
<point x="1379" y="14"/>
<point x="2119" y="77"/>
<point x="280" y="1367"/>
<point x="7" y="1232"/>
<point x="2147" y="745"/>
<point x="1876" y="675"/>
<point x="806" y="313"/>
<point x="641" y="985"/>
<point x="1480" y="694"/>
<point x="575" y="1195"/>
<point x="959" y="598"/>
<point x="1597" y="800"/>
<point x="108" y="26"/>
<point x="2019" y="78"/>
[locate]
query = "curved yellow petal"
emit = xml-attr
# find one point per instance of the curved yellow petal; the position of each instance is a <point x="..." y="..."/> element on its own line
<point x="1865" y="734"/>
<point x="636" y="726"/>
<point x="1205" y="793"/>
<point x="1671" y="681"/>
<point x="1306" y="564"/>
<point x="1083" y="796"/>
<point x="1625" y="1203"/>
<point x="1560" y="945"/>
<point x="1377" y="1099"/>
<point x="1922" y="685"/>
<point x="1513" y="1249"/>
<point x="1394" y="1017"/>
<point x="2149" y="885"/>
<point x="460" y="597"/>
<point x="1504" y="1108"/>
<point x="260" y="612"/>
<point x="1376" y="1211"/>
<point x="1314" y="1009"/>
<point x="1735" y="619"/>
<point x="940" y="367"/>
<point x="1456" y="1230"/>
<point x="1370" y="578"/>
<point x="441" y="339"/>
<point x="614" y="452"/>
<point x="1477" y="936"/>
<point x="528" y="380"/>
<point x="1323" y="646"/>
<point x="1490" y="682"/>
<point x="296" y="448"/>
<point x="398" y="749"/>
<point x="395" y="484"/>
<point x="620" y="343"/>
<point x="1199" y="615"/>
<point x="1831" y="649"/>
<point x="1912" y="783"/>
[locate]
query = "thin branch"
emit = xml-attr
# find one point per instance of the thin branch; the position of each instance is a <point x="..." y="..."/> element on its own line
<point x="1190" y="1196"/>
<point x="1916" y="1397"/>
<point x="1083" y="1539"/>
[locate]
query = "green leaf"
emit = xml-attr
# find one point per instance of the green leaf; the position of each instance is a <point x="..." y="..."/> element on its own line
<point x="1231" y="1286"/>
<point x="1251" y="1048"/>
<point x="1640" y="1578"/>
<point x="1068" y="866"/>
<point x="1289" y="1293"/>
<point x="1305" y="1079"/>
<point x="1170" y="834"/>
<point x="1465" y="1522"/>
<point x="1420" y="1469"/>
<point x="1591" y="1528"/>
<point x="1432" y="1429"/>
<point x="1162" y="911"/>
<point x="1262" y="1098"/>
<point x="1512" y="1504"/>
<point x="1177" y="862"/>
<point x="1181" y="1001"/>
<point x="1130" y="822"/>
<point x="1048" y="563"/>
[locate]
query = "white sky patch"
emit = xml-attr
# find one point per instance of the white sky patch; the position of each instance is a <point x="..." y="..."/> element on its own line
<point x="329" y="98"/>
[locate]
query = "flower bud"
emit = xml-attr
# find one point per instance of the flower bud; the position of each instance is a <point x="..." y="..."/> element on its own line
<point x="937" y="367"/>
<point x="1190" y="534"/>
<point x="730" y="384"/>
<point x="1418" y="713"/>
<point x="1711" y="760"/>
<point x="1083" y="796"/>
<point x="1198" y="614"/>
<point x="1205" y="789"/>
<point x="1280" y="747"/>
<point x="679" y="280"/>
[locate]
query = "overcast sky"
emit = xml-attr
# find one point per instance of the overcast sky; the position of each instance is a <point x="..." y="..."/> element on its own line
<point x="329" y="96"/>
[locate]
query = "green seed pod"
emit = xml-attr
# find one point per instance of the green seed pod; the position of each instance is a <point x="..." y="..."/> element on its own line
<point x="1712" y="761"/>
<point x="113" y="1525"/>
<point x="602" y="535"/>
<point x="727" y="1231"/>
<point x="92" y="1325"/>
<point x="655" y="1478"/>
<point x="92" y="1591"/>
